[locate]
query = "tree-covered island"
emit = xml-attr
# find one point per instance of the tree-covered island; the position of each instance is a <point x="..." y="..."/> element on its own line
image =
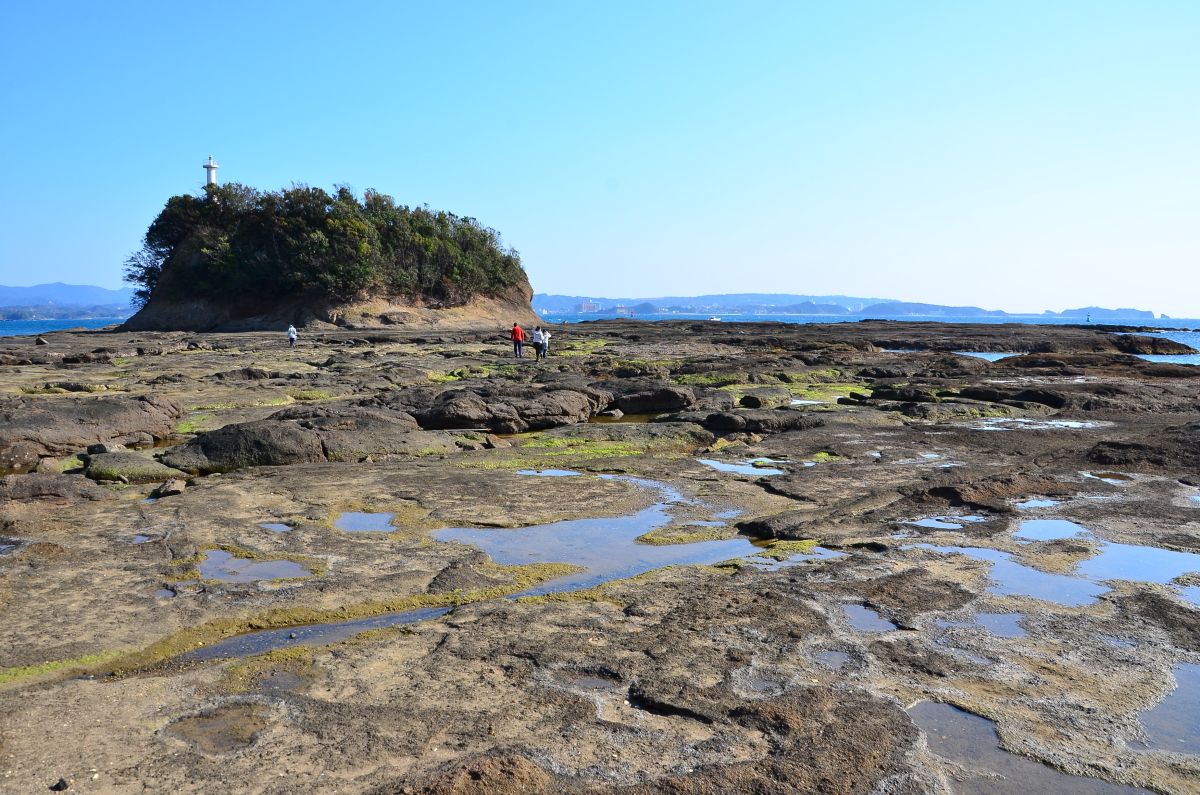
<point x="238" y="253"/>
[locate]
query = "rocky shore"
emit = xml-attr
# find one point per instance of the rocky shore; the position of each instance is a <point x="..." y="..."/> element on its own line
<point x="679" y="557"/>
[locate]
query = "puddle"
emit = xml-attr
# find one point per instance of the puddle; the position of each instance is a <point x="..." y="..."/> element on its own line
<point x="946" y="522"/>
<point x="358" y="522"/>
<point x="834" y="660"/>
<point x="799" y="402"/>
<point x="223" y="731"/>
<point x="140" y="539"/>
<point x="1048" y="529"/>
<point x="8" y="545"/>
<point x="984" y="768"/>
<point x="1036" y="503"/>
<point x="1196" y="500"/>
<point x="1010" y="578"/>
<point x="1142" y="563"/>
<point x="771" y="564"/>
<point x="986" y="355"/>
<point x="1112" y="478"/>
<point x="548" y="473"/>
<point x="752" y="468"/>
<point x="276" y="527"/>
<point x="312" y="635"/>
<point x="279" y="682"/>
<point x="607" y="548"/>
<point x="1026" y="424"/>
<point x="864" y="619"/>
<point x="164" y="593"/>
<point x="1174" y="723"/>
<point x="592" y="683"/>
<point x="221" y="566"/>
<point x="1002" y="625"/>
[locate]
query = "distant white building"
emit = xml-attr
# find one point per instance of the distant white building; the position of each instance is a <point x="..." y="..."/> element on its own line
<point x="587" y="306"/>
<point x="210" y="168"/>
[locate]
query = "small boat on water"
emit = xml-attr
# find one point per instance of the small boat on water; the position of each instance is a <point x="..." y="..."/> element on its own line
<point x="714" y="317"/>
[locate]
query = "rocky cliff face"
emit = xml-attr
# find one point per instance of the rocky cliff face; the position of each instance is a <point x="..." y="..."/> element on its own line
<point x="479" y="312"/>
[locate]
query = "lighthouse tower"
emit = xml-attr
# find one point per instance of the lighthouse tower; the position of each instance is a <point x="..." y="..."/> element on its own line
<point x="211" y="167"/>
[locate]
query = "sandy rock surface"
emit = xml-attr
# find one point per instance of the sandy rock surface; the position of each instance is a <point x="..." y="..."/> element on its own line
<point x="343" y="567"/>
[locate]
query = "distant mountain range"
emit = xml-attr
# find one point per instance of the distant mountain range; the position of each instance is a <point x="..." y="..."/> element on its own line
<point x="58" y="300"/>
<point x="789" y="304"/>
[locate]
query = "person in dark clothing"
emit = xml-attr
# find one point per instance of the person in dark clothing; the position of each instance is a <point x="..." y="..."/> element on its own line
<point x="518" y="340"/>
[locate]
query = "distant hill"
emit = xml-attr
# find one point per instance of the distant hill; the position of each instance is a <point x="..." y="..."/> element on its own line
<point x="60" y="301"/>
<point x="776" y="302"/>
<point x="57" y="293"/>
<point x="788" y="304"/>
<point x="907" y="309"/>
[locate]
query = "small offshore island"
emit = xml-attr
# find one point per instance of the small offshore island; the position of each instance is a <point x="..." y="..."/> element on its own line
<point x="679" y="557"/>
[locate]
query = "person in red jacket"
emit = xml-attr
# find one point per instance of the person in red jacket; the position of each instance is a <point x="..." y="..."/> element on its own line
<point x="518" y="339"/>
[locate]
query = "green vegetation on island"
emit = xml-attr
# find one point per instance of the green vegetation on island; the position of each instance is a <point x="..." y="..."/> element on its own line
<point x="237" y="245"/>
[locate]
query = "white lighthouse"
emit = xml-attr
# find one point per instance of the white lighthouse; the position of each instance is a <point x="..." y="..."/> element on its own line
<point x="210" y="166"/>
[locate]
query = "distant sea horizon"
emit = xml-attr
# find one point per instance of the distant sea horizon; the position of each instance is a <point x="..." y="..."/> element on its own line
<point x="17" y="328"/>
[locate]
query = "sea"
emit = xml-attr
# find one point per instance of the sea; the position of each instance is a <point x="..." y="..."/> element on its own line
<point x="1185" y="330"/>
<point x="19" y="328"/>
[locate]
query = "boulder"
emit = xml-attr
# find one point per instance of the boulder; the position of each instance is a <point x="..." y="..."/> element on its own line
<point x="657" y="400"/>
<point x="761" y="421"/>
<point x="765" y="398"/>
<point x="262" y="443"/>
<point x="169" y="488"/>
<point x="42" y="486"/>
<point x="52" y="427"/>
<point x="127" y="468"/>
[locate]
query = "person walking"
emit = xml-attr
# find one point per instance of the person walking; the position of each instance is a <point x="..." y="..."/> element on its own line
<point x="292" y="336"/>
<point x="539" y="342"/>
<point x="545" y="342"/>
<point x="518" y="340"/>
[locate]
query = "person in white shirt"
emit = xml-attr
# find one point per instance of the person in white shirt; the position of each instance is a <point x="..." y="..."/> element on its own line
<point x="545" y="342"/>
<point x="292" y="335"/>
<point x="539" y="342"/>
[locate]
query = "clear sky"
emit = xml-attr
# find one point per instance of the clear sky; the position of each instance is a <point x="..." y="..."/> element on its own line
<point x="1012" y="155"/>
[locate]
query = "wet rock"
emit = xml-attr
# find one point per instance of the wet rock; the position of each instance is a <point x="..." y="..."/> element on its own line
<point x="41" y="341"/>
<point x="993" y="492"/>
<point x="61" y="785"/>
<point x="789" y="525"/>
<point x="127" y="468"/>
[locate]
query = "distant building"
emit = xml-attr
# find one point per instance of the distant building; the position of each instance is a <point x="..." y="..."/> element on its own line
<point x="210" y="170"/>
<point x="587" y="306"/>
<point x="622" y="311"/>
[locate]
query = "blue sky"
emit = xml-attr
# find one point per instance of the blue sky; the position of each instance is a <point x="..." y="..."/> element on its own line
<point x="1012" y="155"/>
